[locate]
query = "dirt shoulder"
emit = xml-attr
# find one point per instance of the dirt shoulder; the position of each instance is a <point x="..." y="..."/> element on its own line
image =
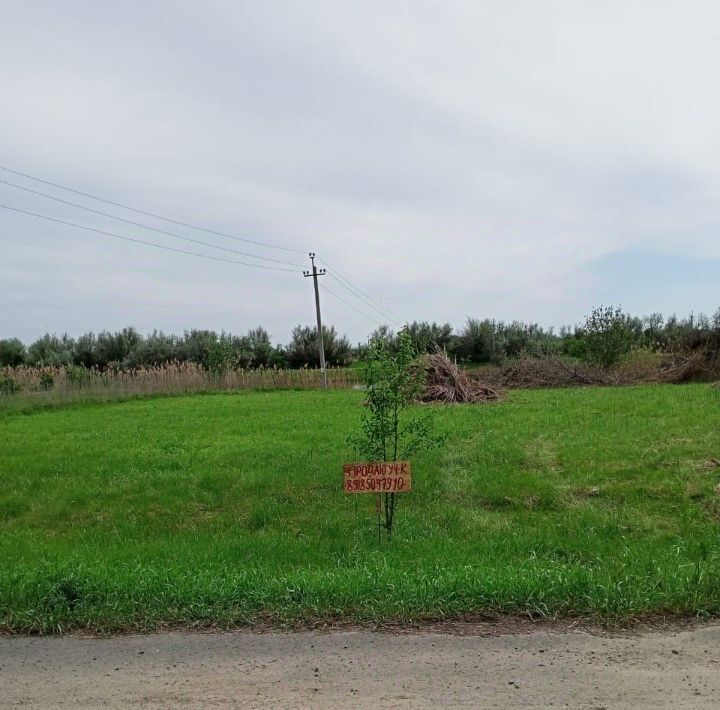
<point x="541" y="668"/>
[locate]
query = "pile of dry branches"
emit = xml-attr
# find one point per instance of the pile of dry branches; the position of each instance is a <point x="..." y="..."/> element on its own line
<point x="447" y="383"/>
<point x="552" y="371"/>
<point x="686" y="368"/>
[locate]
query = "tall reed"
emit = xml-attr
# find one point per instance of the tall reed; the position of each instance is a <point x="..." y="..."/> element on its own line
<point x="41" y="386"/>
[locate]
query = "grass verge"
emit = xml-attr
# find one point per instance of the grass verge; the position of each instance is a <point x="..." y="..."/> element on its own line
<point x="228" y="510"/>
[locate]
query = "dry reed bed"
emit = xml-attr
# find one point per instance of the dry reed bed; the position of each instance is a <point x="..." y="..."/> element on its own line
<point x="60" y="384"/>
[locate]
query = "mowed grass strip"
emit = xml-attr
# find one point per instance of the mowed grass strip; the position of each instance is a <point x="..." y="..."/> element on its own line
<point x="228" y="509"/>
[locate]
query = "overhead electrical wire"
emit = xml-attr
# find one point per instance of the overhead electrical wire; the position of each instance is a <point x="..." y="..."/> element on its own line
<point x="147" y="226"/>
<point x="151" y="214"/>
<point x="357" y="289"/>
<point x="387" y="318"/>
<point x="362" y="295"/>
<point x="372" y="319"/>
<point x="348" y="285"/>
<point x="142" y="241"/>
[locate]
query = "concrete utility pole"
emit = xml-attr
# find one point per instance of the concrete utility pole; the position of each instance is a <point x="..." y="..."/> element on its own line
<point x="321" y="346"/>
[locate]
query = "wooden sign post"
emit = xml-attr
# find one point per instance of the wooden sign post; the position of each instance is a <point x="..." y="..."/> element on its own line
<point x="378" y="477"/>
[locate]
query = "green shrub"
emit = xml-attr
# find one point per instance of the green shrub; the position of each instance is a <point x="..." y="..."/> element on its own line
<point x="608" y="336"/>
<point x="78" y="376"/>
<point x="47" y="381"/>
<point x="12" y="352"/>
<point x="303" y="348"/>
<point x="50" y="350"/>
<point x="9" y="385"/>
<point x="219" y="357"/>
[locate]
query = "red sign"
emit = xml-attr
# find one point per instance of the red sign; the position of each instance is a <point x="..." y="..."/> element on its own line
<point x="377" y="477"/>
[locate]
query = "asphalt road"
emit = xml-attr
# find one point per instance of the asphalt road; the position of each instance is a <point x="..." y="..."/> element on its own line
<point x="536" y="669"/>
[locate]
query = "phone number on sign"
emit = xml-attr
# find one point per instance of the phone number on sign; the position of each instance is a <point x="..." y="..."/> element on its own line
<point x="396" y="483"/>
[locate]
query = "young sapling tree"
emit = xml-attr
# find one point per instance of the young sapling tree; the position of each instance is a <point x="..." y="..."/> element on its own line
<point x="389" y="429"/>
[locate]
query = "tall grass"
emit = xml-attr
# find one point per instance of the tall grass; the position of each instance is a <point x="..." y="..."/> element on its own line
<point x="41" y="387"/>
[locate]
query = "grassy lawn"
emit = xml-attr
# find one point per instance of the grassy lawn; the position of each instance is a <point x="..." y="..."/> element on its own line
<point x="229" y="508"/>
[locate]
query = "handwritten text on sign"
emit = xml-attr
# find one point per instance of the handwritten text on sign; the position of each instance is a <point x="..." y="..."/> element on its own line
<point x="377" y="477"/>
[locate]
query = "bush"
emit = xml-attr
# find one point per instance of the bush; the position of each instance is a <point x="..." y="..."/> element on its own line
<point x="608" y="336"/>
<point x="47" y="381"/>
<point x="51" y="350"/>
<point x="303" y="349"/>
<point x="428" y="337"/>
<point x="78" y="376"/>
<point x="12" y="353"/>
<point x="85" y="350"/>
<point x="490" y="341"/>
<point x="574" y="346"/>
<point x="259" y="348"/>
<point x="9" y="385"/>
<point x="219" y="357"/>
<point x="115" y="347"/>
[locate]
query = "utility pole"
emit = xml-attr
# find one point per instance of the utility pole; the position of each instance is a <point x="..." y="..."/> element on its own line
<point x="321" y="346"/>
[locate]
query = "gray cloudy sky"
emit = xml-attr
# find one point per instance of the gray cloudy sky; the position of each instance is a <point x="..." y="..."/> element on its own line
<point x="511" y="159"/>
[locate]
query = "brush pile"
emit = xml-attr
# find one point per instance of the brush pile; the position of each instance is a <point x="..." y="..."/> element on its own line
<point x="448" y="384"/>
<point x="551" y="371"/>
<point x="684" y="368"/>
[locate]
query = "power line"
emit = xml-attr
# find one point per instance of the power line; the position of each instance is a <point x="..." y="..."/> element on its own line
<point x="147" y="226"/>
<point x="366" y="302"/>
<point x="350" y="305"/>
<point x="142" y="241"/>
<point x="151" y="214"/>
<point x="349" y="284"/>
<point x="362" y="295"/>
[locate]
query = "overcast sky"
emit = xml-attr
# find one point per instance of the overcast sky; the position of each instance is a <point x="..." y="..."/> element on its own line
<point x="484" y="158"/>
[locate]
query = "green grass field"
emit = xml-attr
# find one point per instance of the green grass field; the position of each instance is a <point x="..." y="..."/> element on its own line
<point x="228" y="509"/>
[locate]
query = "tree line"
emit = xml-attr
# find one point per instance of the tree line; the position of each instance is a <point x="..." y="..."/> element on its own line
<point x="127" y="348"/>
<point x="606" y="336"/>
